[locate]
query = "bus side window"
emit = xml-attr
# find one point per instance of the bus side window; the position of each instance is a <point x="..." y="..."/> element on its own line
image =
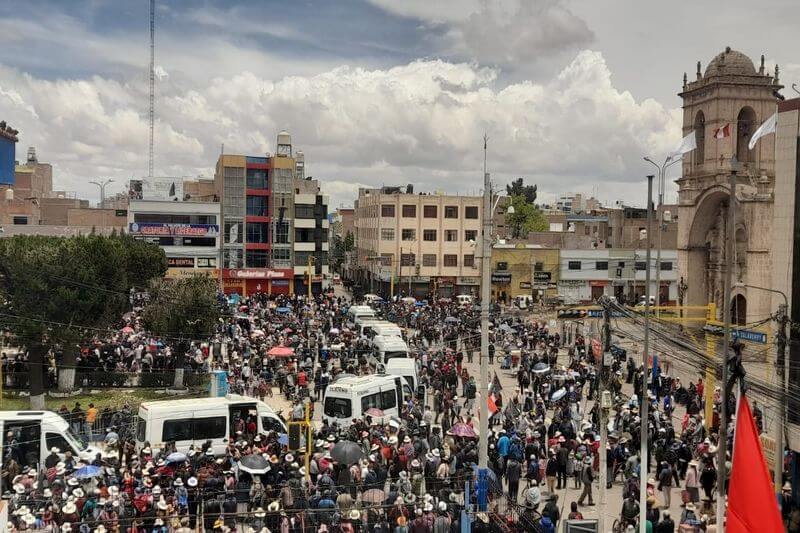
<point x="271" y="424"/>
<point x="54" y="440"/>
<point x="388" y="399"/>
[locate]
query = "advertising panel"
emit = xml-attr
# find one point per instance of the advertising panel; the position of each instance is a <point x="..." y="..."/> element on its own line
<point x="173" y="230"/>
<point x="156" y="189"/>
<point x="7" y="154"/>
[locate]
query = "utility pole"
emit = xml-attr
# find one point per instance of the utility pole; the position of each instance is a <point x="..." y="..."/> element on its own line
<point x="310" y="277"/>
<point x="644" y="430"/>
<point x="601" y="393"/>
<point x="662" y="170"/>
<point x="486" y="260"/>
<point x="781" y="367"/>
<point x="152" y="85"/>
<point x="722" y="471"/>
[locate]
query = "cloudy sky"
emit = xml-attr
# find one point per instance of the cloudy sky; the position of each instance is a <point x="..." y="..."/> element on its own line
<point x="572" y="93"/>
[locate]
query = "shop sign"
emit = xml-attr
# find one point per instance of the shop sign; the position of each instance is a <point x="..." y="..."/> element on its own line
<point x="524" y="284"/>
<point x="598" y="283"/>
<point x="542" y="277"/>
<point x="256" y="274"/>
<point x="501" y="277"/>
<point x="446" y="281"/>
<point x="420" y="279"/>
<point x="173" y="230"/>
<point x="468" y="280"/>
<point x="768" y="445"/>
<point x="184" y="262"/>
<point x="571" y="283"/>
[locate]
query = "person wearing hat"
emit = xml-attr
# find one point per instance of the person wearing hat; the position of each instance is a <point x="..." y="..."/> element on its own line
<point x="666" y="524"/>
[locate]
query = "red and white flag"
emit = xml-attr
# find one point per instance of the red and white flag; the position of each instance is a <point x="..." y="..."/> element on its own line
<point x="724" y="131"/>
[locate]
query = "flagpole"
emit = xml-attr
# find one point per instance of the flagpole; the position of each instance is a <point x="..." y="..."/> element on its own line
<point x="726" y="341"/>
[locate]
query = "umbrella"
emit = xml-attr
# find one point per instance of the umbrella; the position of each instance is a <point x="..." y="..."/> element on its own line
<point x="334" y="331"/>
<point x="283" y="439"/>
<point x="283" y="310"/>
<point x="374" y="412"/>
<point x="176" y="457"/>
<point x="88" y="471"/>
<point x="541" y="368"/>
<point x="451" y="320"/>
<point x="281" y="351"/>
<point x="374" y="497"/>
<point x="462" y="430"/>
<point x="347" y="452"/>
<point x="409" y="300"/>
<point x="127" y="329"/>
<point x="557" y="395"/>
<point x="254" y="464"/>
<point x="506" y="327"/>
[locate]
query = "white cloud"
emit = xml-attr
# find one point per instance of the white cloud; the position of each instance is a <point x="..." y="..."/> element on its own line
<point x="503" y="32"/>
<point x="418" y="123"/>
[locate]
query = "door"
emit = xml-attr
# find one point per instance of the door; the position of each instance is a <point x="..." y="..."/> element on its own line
<point x="597" y="292"/>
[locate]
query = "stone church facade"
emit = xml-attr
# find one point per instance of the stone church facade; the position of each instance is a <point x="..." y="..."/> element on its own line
<point x="730" y="92"/>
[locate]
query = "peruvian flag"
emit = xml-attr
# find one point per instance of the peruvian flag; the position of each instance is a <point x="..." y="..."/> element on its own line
<point x="724" y="131"/>
<point x="752" y="505"/>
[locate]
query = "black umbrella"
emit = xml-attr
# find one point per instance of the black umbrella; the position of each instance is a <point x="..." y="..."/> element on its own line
<point x="347" y="452"/>
<point x="254" y="464"/>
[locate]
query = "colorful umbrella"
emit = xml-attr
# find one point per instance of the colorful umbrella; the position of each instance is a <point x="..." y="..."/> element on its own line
<point x="374" y="412"/>
<point x="127" y="329"/>
<point x="281" y="351"/>
<point x="463" y="430"/>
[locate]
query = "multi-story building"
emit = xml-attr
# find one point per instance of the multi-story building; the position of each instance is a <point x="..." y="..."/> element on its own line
<point x="261" y="247"/>
<point x="585" y="275"/>
<point x="524" y="270"/>
<point x="188" y="232"/>
<point x="425" y="242"/>
<point x="311" y="228"/>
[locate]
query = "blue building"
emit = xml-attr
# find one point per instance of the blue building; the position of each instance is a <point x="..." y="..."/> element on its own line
<point x="8" y="141"/>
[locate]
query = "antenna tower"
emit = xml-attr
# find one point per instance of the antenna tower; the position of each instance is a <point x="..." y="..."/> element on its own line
<point x="152" y="82"/>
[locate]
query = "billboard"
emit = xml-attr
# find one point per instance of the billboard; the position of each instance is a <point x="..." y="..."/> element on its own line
<point x="173" y="230"/>
<point x="7" y="154"/>
<point x="170" y="189"/>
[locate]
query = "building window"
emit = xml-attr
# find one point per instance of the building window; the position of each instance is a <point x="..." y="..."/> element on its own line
<point x="206" y="262"/>
<point x="586" y="230"/>
<point x="281" y="254"/>
<point x="233" y="232"/>
<point x="429" y="211"/>
<point x="409" y="211"/>
<point x="257" y="258"/>
<point x="429" y="235"/>
<point x="471" y="211"/>
<point x="601" y="265"/>
<point x="303" y="211"/>
<point x="257" y="206"/>
<point x="451" y="235"/>
<point x="641" y="265"/>
<point x="20" y="221"/>
<point x="469" y="260"/>
<point x="610" y="231"/>
<point x="282" y="233"/>
<point x="502" y="265"/>
<point x="666" y="265"/>
<point x="386" y="259"/>
<point x="429" y="260"/>
<point x="451" y="211"/>
<point x="574" y="265"/>
<point x="256" y="179"/>
<point x="621" y="264"/>
<point x="232" y="258"/>
<point x="407" y="260"/>
<point x="409" y="234"/>
<point x="471" y="235"/>
<point x="538" y="267"/>
<point x="450" y="260"/>
<point x="387" y="234"/>
<point x="387" y="210"/>
<point x="257" y="233"/>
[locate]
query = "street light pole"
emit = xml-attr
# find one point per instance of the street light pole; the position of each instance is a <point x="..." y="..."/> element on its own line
<point x="644" y="430"/>
<point x="486" y="260"/>
<point x="102" y="186"/>
<point x="662" y="170"/>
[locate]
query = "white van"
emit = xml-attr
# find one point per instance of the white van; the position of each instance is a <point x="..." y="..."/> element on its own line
<point x="357" y="312"/>
<point x="407" y="369"/>
<point x="36" y="433"/>
<point x="198" y="420"/>
<point x="386" y="348"/>
<point x="350" y="397"/>
<point x="523" y="301"/>
<point x="464" y="300"/>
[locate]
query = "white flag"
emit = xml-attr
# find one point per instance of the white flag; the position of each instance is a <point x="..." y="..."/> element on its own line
<point x="687" y="144"/>
<point x="765" y="129"/>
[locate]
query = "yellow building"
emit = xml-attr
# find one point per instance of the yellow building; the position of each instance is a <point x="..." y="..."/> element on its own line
<point x="524" y="270"/>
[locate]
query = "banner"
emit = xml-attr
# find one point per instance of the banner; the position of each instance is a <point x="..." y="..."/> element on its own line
<point x="173" y="230"/>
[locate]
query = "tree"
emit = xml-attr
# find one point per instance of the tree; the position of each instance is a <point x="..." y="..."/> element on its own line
<point x="517" y="188"/>
<point x="182" y="311"/>
<point x="525" y="219"/>
<point x="349" y="242"/>
<point x="60" y="291"/>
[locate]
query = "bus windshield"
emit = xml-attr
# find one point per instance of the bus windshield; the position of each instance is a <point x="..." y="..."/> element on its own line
<point x="77" y="442"/>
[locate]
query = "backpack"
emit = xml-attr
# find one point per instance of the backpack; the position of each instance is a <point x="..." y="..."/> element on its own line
<point x="546" y="525"/>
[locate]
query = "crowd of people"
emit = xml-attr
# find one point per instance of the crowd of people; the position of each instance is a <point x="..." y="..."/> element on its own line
<point x="405" y="475"/>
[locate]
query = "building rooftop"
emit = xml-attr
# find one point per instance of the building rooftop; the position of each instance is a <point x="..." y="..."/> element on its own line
<point x="730" y="63"/>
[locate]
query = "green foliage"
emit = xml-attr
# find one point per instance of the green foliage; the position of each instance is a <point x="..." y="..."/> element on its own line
<point x="518" y="188"/>
<point x="525" y="219"/>
<point x="182" y="309"/>
<point x="349" y="242"/>
<point x="340" y="248"/>
<point x="145" y="261"/>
